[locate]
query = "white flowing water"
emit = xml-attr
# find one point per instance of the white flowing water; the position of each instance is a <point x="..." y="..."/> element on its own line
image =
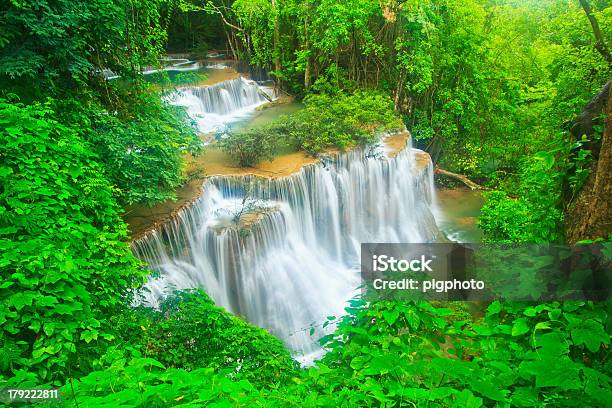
<point x="214" y="107"/>
<point x="174" y="65"/>
<point x="293" y="257"/>
<point x="169" y="65"/>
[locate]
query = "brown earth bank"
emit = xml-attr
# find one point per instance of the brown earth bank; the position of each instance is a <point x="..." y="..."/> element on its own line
<point x="214" y="76"/>
<point x="214" y="162"/>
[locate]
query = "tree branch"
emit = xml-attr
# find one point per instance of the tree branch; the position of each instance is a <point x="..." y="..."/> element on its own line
<point x="600" y="43"/>
<point x="215" y="9"/>
<point x="459" y="177"/>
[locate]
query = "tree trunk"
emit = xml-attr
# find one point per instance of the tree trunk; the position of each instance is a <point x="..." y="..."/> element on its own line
<point x="307" y="74"/>
<point x="398" y="90"/>
<point x="589" y="216"/>
<point x="600" y="43"/>
<point x="229" y="41"/>
<point x="307" y="69"/>
<point x="276" y="46"/>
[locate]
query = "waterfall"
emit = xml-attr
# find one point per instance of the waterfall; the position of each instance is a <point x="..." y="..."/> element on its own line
<point x="284" y="252"/>
<point x="215" y="106"/>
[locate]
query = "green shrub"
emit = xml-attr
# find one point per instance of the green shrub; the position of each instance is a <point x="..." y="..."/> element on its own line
<point x="249" y="147"/>
<point x="518" y="354"/>
<point x="341" y="121"/>
<point x="189" y="331"/>
<point x="536" y="216"/>
<point x="169" y="81"/>
<point x="62" y="260"/>
<point x="145" y="382"/>
<point x="390" y="353"/>
<point x="326" y="122"/>
<point x="143" y="149"/>
<point x="140" y="146"/>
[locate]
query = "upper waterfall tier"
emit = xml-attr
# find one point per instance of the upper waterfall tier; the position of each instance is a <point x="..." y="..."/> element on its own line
<point x="296" y="258"/>
<point x="213" y="107"/>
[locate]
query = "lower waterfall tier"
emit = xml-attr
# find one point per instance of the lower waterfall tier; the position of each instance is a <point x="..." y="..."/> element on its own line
<point x="284" y="252"/>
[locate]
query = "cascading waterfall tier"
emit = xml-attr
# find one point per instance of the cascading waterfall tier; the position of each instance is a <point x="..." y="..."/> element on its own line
<point x="215" y="106"/>
<point x="284" y="252"/>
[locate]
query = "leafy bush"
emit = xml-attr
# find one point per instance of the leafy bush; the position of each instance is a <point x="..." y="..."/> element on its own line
<point x="505" y="219"/>
<point x="341" y="121"/>
<point x="393" y="353"/>
<point x="143" y="154"/>
<point x="327" y="121"/>
<point x="170" y="80"/>
<point x="145" y="382"/>
<point x="188" y="78"/>
<point x="518" y="354"/>
<point x="189" y="331"/>
<point x="200" y="51"/>
<point x="62" y="261"/>
<point x="140" y="146"/>
<point x="536" y="216"/>
<point x="249" y="147"/>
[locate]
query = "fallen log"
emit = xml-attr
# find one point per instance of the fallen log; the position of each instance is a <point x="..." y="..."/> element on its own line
<point x="460" y="177"/>
<point x="265" y="95"/>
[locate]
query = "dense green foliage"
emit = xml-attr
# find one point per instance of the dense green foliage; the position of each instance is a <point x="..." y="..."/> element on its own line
<point x="143" y="152"/>
<point x="60" y="49"/>
<point x="61" y="45"/>
<point x="535" y="216"/>
<point x="74" y="146"/>
<point x="469" y="76"/>
<point x="405" y="354"/>
<point x="63" y="265"/>
<point x="250" y="146"/>
<point x="338" y="121"/>
<point x="566" y="72"/>
<point x="487" y="86"/>
<point x="188" y="331"/>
